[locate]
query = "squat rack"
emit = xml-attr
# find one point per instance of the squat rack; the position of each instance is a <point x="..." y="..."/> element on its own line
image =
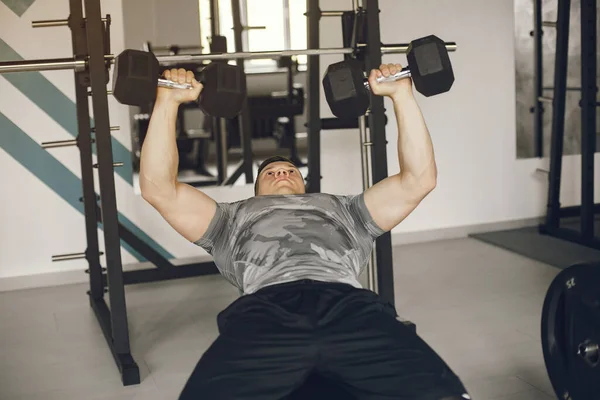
<point x="91" y="42"/>
<point x="587" y="211"/>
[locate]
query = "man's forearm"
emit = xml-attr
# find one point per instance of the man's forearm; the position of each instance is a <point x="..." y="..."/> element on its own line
<point x="415" y="148"/>
<point x="159" y="157"/>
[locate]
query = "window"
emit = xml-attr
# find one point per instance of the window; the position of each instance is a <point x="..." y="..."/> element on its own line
<point x="284" y="25"/>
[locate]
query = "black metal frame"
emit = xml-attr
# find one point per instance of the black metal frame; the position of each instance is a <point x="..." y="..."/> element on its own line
<point x="89" y="38"/>
<point x="245" y="166"/>
<point x="313" y="90"/>
<point x="377" y="121"/>
<point x="588" y="209"/>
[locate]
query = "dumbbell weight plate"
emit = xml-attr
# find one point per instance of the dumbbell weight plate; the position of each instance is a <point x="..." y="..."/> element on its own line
<point x="224" y="90"/>
<point x="430" y="66"/>
<point x="135" y="77"/>
<point x="136" y="74"/>
<point x="345" y="91"/>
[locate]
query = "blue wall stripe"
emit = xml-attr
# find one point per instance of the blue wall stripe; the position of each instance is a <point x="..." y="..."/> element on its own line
<point x="58" y="106"/>
<point x="57" y="177"/>
<point x="18" y="6"/>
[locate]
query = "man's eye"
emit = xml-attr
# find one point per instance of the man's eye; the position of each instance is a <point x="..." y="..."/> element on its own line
<point x="291" y="171"/>
<point x="269" y="173"/>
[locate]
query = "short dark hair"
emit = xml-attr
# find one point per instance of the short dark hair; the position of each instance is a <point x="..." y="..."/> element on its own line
<point x="268" y="161"/>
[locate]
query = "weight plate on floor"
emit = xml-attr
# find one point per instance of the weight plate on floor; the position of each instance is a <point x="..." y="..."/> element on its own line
<point x="571" y="332"/>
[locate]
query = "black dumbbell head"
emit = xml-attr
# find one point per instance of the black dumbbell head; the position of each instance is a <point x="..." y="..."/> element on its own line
<point x="345" y="90"/>
<point x="430" y="67"/>
<point x="224" y="90"/>
<point x="135" y="77"/>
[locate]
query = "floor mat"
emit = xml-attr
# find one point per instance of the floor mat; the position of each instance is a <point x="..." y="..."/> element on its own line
<point x="550" y="250"/>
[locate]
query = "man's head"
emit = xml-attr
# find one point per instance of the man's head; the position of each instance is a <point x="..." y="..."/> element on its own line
<point x="278" y="175"/>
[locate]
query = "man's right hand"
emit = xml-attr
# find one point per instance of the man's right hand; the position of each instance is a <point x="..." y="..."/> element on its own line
<point x="179" y="96"/>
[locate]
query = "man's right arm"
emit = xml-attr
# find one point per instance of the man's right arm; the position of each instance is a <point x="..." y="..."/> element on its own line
<point x="186" y="209"/>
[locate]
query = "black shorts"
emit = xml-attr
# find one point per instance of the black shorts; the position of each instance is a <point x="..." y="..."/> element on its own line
<point x="274" y="341"/>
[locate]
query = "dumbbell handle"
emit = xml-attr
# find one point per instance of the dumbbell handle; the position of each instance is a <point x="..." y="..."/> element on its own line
<point x="172" y="85"/>
<point x="403" y="73"/>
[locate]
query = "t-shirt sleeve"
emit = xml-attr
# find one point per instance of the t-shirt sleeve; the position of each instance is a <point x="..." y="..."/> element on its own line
<point x="217" y="229"/>
<point x="358" y="210"/>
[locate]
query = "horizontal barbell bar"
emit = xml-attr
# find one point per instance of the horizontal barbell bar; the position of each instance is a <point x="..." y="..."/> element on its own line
<point x="50" y="64"/>
<point x="385" y="49"/>
<point x="80" y="65"/>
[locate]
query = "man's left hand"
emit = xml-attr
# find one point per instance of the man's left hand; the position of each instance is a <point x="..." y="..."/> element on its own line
<point x="391" y="89"/>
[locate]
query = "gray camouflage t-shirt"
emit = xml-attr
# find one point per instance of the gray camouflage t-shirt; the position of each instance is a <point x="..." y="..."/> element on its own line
<point x="268" y="240"/>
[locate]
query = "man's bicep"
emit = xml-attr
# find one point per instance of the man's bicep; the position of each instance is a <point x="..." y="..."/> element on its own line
<point x="189" y="211"/>
<point x="391" y="200"/>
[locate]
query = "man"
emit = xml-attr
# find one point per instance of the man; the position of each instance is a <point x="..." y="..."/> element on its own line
<point x="297" y="258"/>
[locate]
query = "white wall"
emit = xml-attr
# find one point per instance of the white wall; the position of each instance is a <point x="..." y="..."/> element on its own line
<point x="473" y="129"/>
<point x="473" y="126"/>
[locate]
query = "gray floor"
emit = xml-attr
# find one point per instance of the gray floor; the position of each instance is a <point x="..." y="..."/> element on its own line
<point x="479" y="306"/>
<point x="545" y="248"/>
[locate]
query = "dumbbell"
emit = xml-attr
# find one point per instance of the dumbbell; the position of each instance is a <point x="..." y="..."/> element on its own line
<point x="136" y="77"/>
<point x="347" y="88"/>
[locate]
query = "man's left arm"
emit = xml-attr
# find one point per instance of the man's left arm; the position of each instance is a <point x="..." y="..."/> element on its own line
<point x="394" y="198"/>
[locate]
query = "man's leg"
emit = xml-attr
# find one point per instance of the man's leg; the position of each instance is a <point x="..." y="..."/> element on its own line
<point x="376" y="357"/>
<point x="256" y="356"/>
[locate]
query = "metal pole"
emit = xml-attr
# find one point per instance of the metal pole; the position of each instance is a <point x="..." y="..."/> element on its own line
<point x="42" y="65"/>
<point x="224" y="149"/>
<point x="365" y="153"/>
<point x="48" y="23"/>
<point x="313" y="116"/>
<point x="558" y="116"/>
<point x="214" y="18"/>
<point x="402" y="48"/>
<point x="80" y="65"/>
<point x="588" y="114"/>
<point x="538" y="121"/>
<point x="250" y="55"/>
<point x="287" y="40"/>
<point x="59" y="143"/>
<point x="72" y="256"/>
<point x="97" y="70"/>
<point x="385" y="270"/>
<point x="84" y="142"/>
<point x="244" y="115"/>
<point x="332" y="13"/>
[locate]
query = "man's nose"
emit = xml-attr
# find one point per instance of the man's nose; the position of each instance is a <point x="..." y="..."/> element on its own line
<point x="282" y="171"/>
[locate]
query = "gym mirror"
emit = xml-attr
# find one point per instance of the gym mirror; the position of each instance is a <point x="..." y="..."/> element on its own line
<point x="211" y="150"/>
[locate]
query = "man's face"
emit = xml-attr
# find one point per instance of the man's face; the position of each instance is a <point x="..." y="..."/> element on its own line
<point x="280" y="177"/>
